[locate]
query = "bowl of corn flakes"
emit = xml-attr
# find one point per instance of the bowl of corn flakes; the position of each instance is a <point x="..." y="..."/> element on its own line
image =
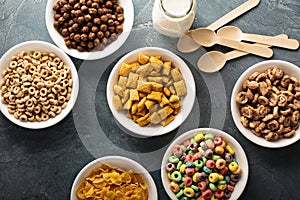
<point x="150" y="91"/>
<point x="113" y="177"/>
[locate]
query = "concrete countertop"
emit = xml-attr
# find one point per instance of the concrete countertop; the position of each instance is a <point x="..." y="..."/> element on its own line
<point x="42" y="164"/>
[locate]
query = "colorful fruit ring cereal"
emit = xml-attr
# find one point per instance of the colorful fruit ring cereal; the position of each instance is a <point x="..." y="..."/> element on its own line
<point x="203" y="167"/>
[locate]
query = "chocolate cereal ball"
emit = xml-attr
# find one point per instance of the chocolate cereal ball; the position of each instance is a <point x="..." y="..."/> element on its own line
<point x="88" y="25"/>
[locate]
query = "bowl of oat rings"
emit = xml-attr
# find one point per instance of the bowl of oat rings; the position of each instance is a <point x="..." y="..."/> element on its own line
<point x="265" y="103"/>
<point x="89" y="30"/>
<point x="113" y="177"/>
<point x="39" y="84"/>
<point x="204" y="163"/>
<point x="150" y="91"/>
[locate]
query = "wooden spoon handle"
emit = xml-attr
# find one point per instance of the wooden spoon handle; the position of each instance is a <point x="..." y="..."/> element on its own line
<point x="278" y="42"/>
<point x="186" y="44"/>
<point x="250" y="48"/>
<point x="248" y="5"/>
<point x="236" y="54"/>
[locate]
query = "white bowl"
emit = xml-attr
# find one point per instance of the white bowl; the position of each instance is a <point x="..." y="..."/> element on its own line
<point x="239" y="155"/>
<point x="42" y="47"/>
<point x="123" y="163"/>
<point x="187" y="101"/>
<point x="93" y="55"/>
<point x="289" y="69"/>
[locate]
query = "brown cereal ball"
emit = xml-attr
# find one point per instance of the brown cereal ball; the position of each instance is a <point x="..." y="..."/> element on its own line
<point x="84" y="24"/>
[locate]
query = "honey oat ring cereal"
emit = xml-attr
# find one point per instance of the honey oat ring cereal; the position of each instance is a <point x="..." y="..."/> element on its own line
<point x="210" y="165"/>
<point x="110" y="176"/>
<point x="39" y="84"/>
<point x="277" y="123"/>
<point x="150" y="91"/>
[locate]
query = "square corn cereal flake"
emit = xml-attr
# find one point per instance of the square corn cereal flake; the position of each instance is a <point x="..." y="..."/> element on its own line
<point x="155" y="96"/>
<point x="176" y="75"/>
<point x="122" y="81"/>
<point x="132" y="80"/>
<point x="143" y="59"/>
<point x="124" y="69"/>
<point x="117" y="102"/>
<point x="155" y="118"/>
<point x="165" y="112"/>
<point x="118" y="90"/>
<point x="134" y="95"/>
<point x="145" y="87"/>
<point x="134" y="66"/>
<point x="144" y="70"/>
<point x="180" y="88"/>
<point x="127" y="105"/>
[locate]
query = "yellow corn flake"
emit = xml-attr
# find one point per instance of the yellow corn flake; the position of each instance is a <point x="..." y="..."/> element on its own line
<point x="156" y="60"/>
<point x="125" y="69"/>
<point x="134" y="108"/>
<point x="127" y="105"/>
<point x="145" y="87"/>
<point x="143" y="121"/>
<point x="167" y="91"/>
<point x="155" y="96"/>
<point x="174" y="98"/>
<point x="116" y="184"/>
<point x="169" y="119"/>
<point x="164" y="101"/>
<point x="134" y="65"/>
<point x="157" y="87"/>
<point x="143" y="59"/>
<point x="141" y="104"/>
<point x="149" y="104"/>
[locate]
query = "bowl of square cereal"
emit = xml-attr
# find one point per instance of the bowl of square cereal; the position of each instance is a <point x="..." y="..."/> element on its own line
<point x="38" y="83"/>
<point x="113" y="177"/>
<point x="204" y="163"/>
<point x="265" y="103"/>
<point x="150" y="91"/>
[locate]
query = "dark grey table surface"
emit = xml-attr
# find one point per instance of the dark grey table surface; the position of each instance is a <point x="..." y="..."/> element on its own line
<point x="42" y="164"/>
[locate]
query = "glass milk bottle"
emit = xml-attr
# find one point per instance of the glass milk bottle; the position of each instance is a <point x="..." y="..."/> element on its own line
<point x="173" y="17"/>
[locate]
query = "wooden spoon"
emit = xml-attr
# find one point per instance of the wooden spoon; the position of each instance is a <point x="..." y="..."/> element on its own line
<point x="233" y="32"/>
<point x="186" y="44"/>
<point x="214" y="61"/>
<point x="208" y="38"/>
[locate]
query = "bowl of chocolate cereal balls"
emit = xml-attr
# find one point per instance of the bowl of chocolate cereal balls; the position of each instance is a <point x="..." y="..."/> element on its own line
<point x="150" y="91"/>
<point x="89" y="29"/>
<point x="38" y="84"/>
<point x="265" y="103"/>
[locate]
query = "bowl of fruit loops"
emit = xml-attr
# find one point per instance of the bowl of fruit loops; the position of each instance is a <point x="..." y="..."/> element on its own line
<point x="204" y="163"/>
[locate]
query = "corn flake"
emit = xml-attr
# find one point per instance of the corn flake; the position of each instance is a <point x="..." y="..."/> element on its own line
<point x="106" y="183"/>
